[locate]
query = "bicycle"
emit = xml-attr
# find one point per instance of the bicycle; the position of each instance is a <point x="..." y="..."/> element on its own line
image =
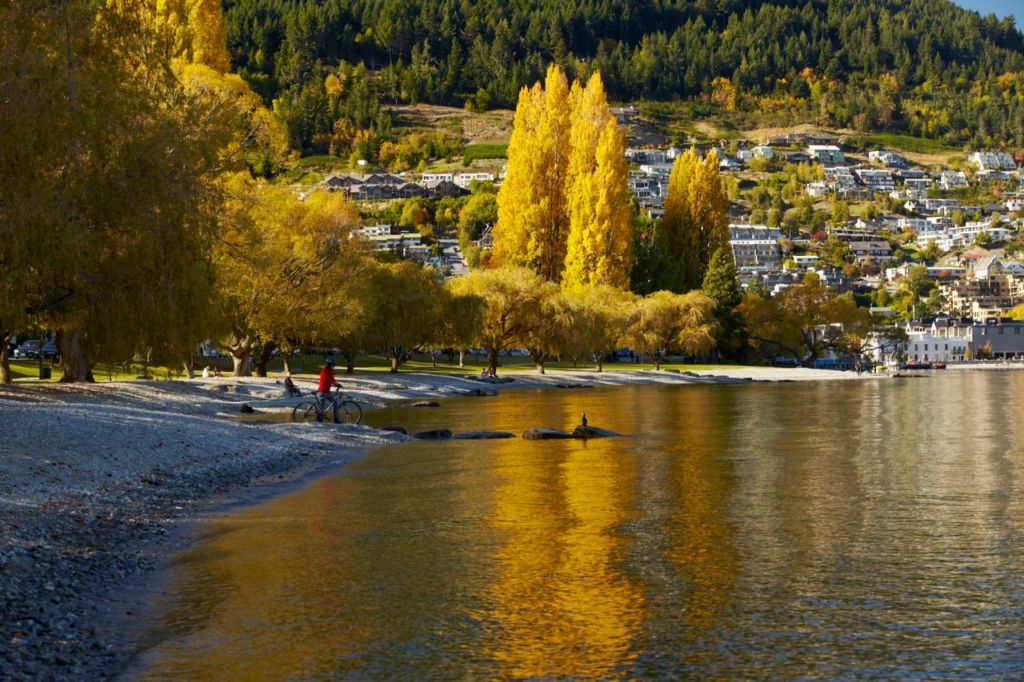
<point x="345" y="410"/>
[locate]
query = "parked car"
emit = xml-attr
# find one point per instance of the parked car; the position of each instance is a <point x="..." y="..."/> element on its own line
<point x="785" y="361"/>
<point x="211" y="353"/>
<point x="28" y="349"/>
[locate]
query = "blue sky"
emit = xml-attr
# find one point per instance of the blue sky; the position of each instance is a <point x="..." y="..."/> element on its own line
<point x="1000" y="8"/>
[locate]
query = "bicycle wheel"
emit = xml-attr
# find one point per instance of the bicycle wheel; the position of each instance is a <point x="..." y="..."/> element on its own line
<point x="347" y="412"/>
<point x="304" y="412"/>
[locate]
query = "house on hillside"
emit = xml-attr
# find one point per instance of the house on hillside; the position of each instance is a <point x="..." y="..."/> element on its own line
<point x="877" y="251"/>
<point x="950" y="179"/>
<point x="444" y="188"/>
<point x="878" y="179"/>
<point x="755" y="247"/>
<point x="342" y="183"/>
<point x="623" y="115"/>
<point x="887" y="158"/>
<point x="992" y="161"/>
<point x="826" y="154"/>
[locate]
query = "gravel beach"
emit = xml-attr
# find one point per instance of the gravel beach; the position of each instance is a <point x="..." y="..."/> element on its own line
<point x="98" y="481"/>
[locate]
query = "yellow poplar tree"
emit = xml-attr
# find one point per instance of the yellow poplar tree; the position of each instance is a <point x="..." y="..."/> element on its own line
<point x="532" y="219"/>
<point x="676" y="233"/>
<point x="696" y="220"/>
<point x="599" y="239"/>
<point x="194" y="30"/>
<point x="709" y="210"/>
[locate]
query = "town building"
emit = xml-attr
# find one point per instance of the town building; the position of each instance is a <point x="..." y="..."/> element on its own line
<point x="826" y="154"/>
<point x="992" y="161"/>
<point x="887" y="158"/>
<point x="755" y="248"/>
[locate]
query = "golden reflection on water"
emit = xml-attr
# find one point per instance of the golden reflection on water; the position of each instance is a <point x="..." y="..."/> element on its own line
<point x="562" y="605"/>
<point x="740" y="532"/>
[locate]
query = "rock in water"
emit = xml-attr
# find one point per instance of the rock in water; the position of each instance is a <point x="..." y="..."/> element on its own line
<point x="394" y="429"/>
<point x="479" y="392"/>
<point x="593" y="432"/>
<point x="545" y="434"/>
<point x="435" y="434"/>
<point x="426" y="403"/>
<point x="483" y="435"/>
<point x="246" y="408"/>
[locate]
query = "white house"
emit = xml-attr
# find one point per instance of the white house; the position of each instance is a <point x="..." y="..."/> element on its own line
<point x="949" y="179"/>
<point x="927" y="345"/>
<point x="826" y="154"/>
<point x="463" y="180"/>
<point x="992" y="161"/>
<point x="876" y="178"/>
<point x="887" y="158"/>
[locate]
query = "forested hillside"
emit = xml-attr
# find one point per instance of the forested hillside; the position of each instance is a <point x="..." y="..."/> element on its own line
<point x="926" y="67"/>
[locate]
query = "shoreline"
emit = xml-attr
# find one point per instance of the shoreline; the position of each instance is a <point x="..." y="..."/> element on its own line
<point x="100" y="483"/>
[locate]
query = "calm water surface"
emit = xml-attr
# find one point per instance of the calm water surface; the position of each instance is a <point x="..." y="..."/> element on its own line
<point x="843" y="530"/>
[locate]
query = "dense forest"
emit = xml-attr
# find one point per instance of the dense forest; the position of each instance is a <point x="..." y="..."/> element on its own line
<point x="926" y="67"/>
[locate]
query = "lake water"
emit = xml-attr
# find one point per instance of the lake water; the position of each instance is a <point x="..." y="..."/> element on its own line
<point x="849" y="529"/>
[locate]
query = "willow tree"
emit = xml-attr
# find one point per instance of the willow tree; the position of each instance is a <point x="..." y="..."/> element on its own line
<point x="600" y="233"/>
<point x="666" y="322"/>
<point x="406" y="310"/>
<point x="696" y="220"/>
<point x="108" y="218"/>
<point x="513" y="306"/>
<point x="289" y="275"/>
<point x="596" y="318"/>
<point x="532" y="218"/>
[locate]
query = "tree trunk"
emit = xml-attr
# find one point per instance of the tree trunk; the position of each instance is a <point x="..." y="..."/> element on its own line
<point x="394" y="363"/>
<point x="538" y="361"/>
<point x="242" y="364"/>
<point x="72" y="361"/>
<point x="600" y="363"/>
<point x="190" y="366"/>
<point x="462" y="357"/>
<point x="657" y="362"/>
<point x="241" y="354"/>
<point x="350" y="361"/>
<point x="264" y="358"/>
<point x="492" y="361"/>
<point x="287" y="368"/>
<point x="6" y="377"/>
<point x="433" y="358"/>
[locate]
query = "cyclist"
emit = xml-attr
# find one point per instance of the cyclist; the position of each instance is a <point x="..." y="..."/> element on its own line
<point x="327" y="382"/>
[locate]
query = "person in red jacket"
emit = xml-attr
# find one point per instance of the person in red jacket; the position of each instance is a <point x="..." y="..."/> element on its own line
<point x="327" y="382"/>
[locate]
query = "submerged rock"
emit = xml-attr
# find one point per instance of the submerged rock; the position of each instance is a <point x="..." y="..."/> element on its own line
<point x="479" y="392"/>
<point x="545" y="434"/>
<point x="483" y="435"/>
<point x="394" y="429"/>
<point x="593" y="432"/>
<point x="246" y="408"/>
<point x="426" y="403"/>
<point x="434" y="434"/>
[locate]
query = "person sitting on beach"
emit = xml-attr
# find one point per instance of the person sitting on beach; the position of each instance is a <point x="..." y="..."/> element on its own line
<point x="327" y="382"/>
<point x="290" y="386"/>
<point x="206" y="372"/>
<point x="216" y="372"/>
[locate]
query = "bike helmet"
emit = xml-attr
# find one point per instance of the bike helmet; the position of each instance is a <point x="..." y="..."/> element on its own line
<point x="330" y="361"/>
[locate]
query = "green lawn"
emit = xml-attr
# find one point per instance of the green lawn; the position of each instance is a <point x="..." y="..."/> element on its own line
<point x="476" y="152"/>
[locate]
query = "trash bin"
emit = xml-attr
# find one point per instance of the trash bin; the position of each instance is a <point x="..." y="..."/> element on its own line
<point x="44" y="372"/>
